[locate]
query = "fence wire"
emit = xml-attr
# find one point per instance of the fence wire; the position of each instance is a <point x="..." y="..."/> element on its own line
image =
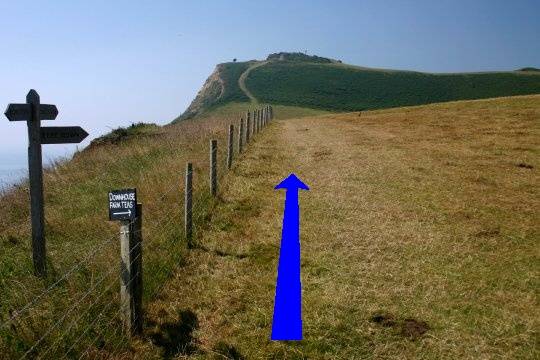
<point x="79" y="313"/>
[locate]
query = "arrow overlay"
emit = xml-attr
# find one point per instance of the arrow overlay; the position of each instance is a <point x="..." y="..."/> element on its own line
<point x="62" y="135"/>
<point x="20" y="112"/>
<point x="287" y="322"/>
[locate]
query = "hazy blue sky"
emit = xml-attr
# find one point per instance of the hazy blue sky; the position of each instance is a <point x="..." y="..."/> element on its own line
<point x="111" y="63"/>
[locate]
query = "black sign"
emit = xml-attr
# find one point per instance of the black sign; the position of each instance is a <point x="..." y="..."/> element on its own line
<point x="19" y="112"/>
<point x="122" y="204"/>
<point x="47" y="112"/>
<point x="62" y="134"/>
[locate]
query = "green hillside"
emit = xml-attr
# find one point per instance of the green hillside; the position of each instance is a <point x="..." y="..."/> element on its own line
<point x="314" y="82"/>
<point x="341" y="87"/>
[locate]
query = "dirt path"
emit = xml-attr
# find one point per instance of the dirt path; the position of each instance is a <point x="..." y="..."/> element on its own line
<point x="401" y="256"/>
<point x="242" y="81"/>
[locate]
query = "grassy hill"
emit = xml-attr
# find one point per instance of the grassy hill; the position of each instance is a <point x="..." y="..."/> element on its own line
<point x="419" y="239"/>
<point x="304" y="81"/>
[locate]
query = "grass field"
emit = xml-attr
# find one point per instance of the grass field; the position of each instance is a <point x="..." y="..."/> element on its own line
<point x="239" y="109"/>
<point x="419" y="239"/>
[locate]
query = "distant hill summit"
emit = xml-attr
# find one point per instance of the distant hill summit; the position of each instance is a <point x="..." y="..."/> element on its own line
<point x="315" y="82"/>
<point x="529" y="69"/>
<point x="301" y="57"/>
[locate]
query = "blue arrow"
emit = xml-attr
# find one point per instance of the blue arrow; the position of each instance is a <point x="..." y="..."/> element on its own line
<point x="287" y="322"/>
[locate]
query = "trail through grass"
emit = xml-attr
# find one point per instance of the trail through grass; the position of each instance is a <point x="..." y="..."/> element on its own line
<point x="419" y="240"/>
<point x="242" y="81"/>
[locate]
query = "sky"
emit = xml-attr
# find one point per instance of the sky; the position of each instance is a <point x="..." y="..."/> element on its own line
<point x="107" y="64"/>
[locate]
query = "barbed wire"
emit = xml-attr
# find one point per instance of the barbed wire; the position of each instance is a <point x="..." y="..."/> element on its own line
<point x="81" y="315"/>
<point x="160" y="232"/>
<point x="71" y="271"/>
<point x="66" y="313"/>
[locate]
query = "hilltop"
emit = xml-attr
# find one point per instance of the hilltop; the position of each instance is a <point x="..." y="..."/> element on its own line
<point x="314" y="82"/>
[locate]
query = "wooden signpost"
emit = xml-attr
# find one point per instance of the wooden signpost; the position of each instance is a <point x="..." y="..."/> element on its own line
<point x="33" y="112"/>
<point x="62" y="135"/>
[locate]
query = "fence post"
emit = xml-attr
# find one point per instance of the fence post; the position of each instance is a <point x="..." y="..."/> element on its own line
<point x="240" y="135"/>
<point x="213" y="167"/>
<point x="230" y="148"/>
<point x="188" y="206"/>
<point x="253" y="123"/>
<point x="248" y="126"/>
<point x="254" y="127"/>
<point x="131" y="273"/>
<point x="258" y="121"/>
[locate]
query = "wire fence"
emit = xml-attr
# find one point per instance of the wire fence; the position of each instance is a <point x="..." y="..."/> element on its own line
<point x="77" y="311"/>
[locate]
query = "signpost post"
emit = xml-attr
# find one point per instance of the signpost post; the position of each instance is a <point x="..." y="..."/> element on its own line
<point x="123" y="206"/>
<point x="33" y="112"/>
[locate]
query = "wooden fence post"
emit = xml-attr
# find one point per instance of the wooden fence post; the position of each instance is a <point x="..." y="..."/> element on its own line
<point x="213" y="167"/>
<point x="254" y="122"/>
<point x="188" y="206"/>
<point x="131" y="273"/>
<point x="230" y="148"/>
<point x="248" y="126"/>
<point x="240" y="135"/>
<point x="252" y="132"/>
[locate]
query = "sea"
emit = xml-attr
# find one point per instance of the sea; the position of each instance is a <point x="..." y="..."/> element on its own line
<point x="11" y="176"/>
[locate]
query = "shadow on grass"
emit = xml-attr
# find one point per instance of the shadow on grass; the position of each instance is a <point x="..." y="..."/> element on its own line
<point x="176" y="338"/>
<point x="220" y="253"/>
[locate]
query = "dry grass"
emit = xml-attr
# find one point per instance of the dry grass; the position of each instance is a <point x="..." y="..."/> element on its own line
<point x="419" y="240"/>
<point x="418" y="219"/>
<point x="77" y="225"/>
